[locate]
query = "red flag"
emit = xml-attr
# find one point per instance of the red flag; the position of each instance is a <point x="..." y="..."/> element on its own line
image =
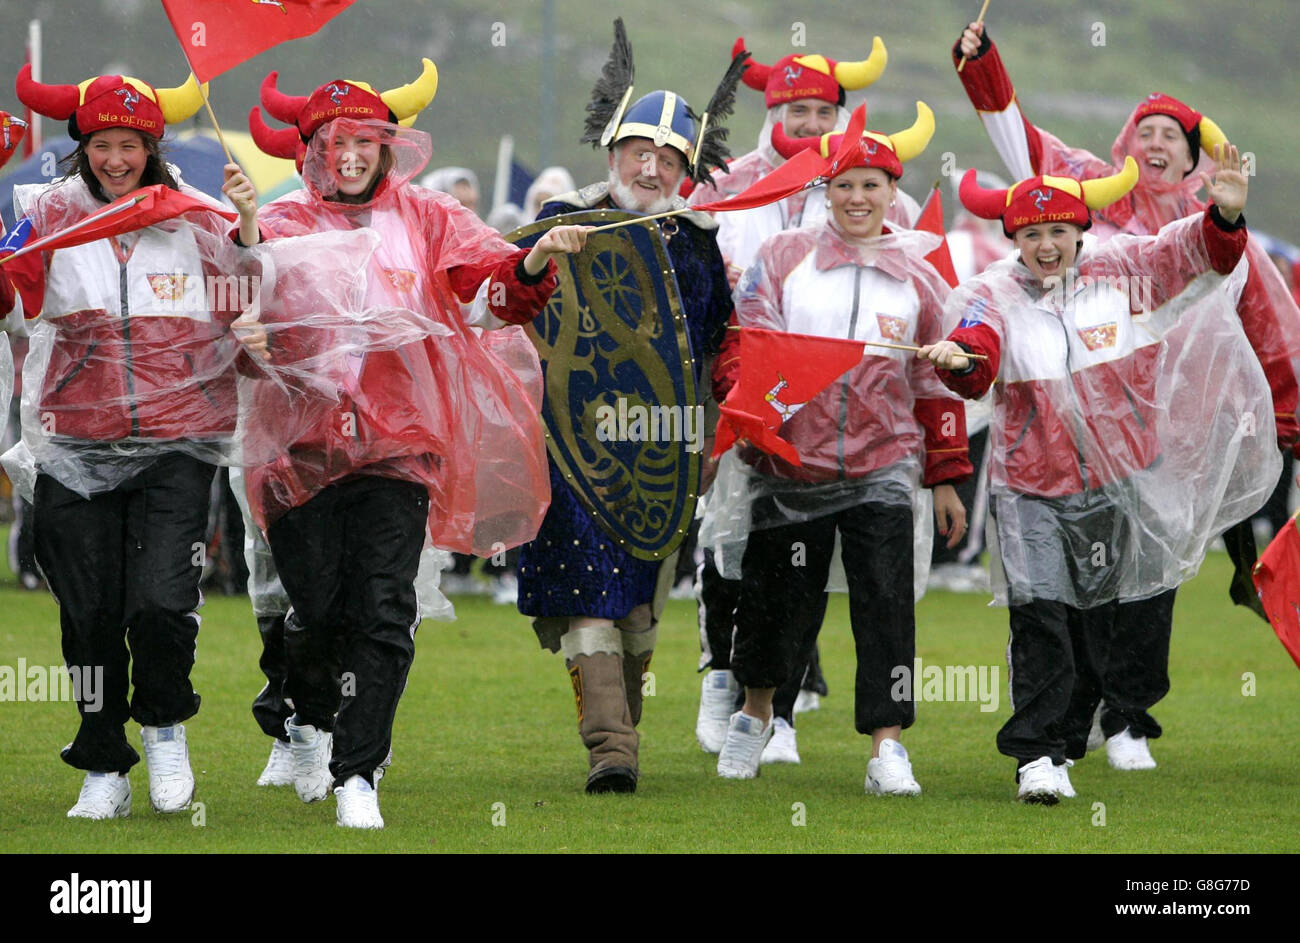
<point x="220" y="34"/>
<point x="11" y="135"/>
<point x="805" y="170"/>
<point x="1277" y="578"/>
<point x="931" y="220"/>
<point x="136" y="210"/>
<point x="779" y="373"/>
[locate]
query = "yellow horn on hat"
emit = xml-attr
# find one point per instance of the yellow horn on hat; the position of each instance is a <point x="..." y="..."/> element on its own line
<point x="1211" y="135"/>
<point x="861" y="74"/>
<point x="1103" y="191"/>
<point x="177" y="104"/>
<point x="908" y="144"/>
<point x="410" y="100"/>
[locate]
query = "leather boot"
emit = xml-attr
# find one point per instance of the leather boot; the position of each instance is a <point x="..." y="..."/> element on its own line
<point x="634" y="668"/>
<point x="604" y="721"/>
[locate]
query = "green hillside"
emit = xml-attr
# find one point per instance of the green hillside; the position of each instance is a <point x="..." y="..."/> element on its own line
<point x="1079" y="67"/>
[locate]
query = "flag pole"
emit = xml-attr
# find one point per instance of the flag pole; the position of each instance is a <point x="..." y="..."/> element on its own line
<point x="212" y="115"/>
<point x="46" y="240"/>
<point x="736" y="327"/>
<point x="206" y="104"/>
<point x="641" y="219"/>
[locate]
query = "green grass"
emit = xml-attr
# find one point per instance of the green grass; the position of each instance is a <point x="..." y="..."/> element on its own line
<point x="488" y="718"/>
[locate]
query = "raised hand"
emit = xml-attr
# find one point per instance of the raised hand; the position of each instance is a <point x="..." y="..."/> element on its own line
<point x="1227" y="189"/>
<point x="970" y="40"/>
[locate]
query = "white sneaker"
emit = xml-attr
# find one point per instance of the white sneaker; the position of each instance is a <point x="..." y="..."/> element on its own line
<point x="807" y="701"/>
<point x="1064" y="788"/>
<point x="358" y="804"/>
<point x="103" y="796"/>
<point x="782" y="748"/>
<point x="1126" y="751"/>
<point x="1095" y="736"/>
<point x="167" y="754"/>
<point x="718" y="693"/>
<point x="311" y="760"/>
<point x="743" y="747"/>
<point x="1038" y="782"/>
<point x="382" y="768"/>
<point x="279" y="768"/>
<point x="890" y="773"/>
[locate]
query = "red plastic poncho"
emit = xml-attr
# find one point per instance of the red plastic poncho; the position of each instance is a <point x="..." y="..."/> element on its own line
<point x="376" y="370"/>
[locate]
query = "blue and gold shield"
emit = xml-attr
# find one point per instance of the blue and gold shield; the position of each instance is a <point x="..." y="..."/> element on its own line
<point x="622" y="424"/>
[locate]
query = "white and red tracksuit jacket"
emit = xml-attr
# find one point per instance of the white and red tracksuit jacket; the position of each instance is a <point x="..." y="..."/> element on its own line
<point x="1075" y="402"/>
<point x="142" y="348"/>
<point x="890" y="406"/>
<point x="1270" y="317"/>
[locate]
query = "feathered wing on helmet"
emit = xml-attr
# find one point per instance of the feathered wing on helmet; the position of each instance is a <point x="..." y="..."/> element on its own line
<point x="610" y="95"/>
<point x="711" y="143"/>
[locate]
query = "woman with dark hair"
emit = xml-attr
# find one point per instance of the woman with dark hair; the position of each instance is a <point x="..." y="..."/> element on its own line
<point x="130" y="401"/>
<point x="1117" y="450"/>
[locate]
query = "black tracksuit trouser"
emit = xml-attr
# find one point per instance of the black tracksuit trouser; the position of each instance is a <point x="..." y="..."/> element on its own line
<point x="1058" y="658"/>
<point x="1137" y="675"/>
<point x="783" y="581"/>
<point x="348" y="560"/>
<point x="125" y="567"/>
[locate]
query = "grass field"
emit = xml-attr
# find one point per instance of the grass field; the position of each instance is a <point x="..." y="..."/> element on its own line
<point x="487" y="731"/>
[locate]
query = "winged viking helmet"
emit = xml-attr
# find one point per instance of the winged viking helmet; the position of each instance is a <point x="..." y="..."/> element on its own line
<point x="662" y="116"/>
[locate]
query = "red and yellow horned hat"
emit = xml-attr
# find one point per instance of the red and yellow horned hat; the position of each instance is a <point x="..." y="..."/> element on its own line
<point x="1047" y="199"/>
<point x="811" y="76"/>
<point x="342" y="98"/>
<point x="1201" y="132"/>
<point x="110" y="101"/>
<point x="887" y="151"/>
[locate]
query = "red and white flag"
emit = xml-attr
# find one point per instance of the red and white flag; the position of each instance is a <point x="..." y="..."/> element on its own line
<point x="779" y="373"/>
<point x="1277" y="578"/>
<point x="220" y="34"/>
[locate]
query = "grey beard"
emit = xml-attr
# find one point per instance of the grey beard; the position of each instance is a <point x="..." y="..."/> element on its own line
<point x="626" y="198"/>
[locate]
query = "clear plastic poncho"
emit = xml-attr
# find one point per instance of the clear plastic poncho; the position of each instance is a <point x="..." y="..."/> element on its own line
<point x="133" y="356"/>
<point x="374" y="370"/>
<point x="1119" y="448"/>
<point x="874" y="451"/>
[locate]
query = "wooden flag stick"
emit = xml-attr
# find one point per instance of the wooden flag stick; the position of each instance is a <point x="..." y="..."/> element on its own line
<point x="735" y="327"/>
<point x="213" y="116"/>
<point x="640" y="219"/>
<point x="979" y="19"/>
<point x="206" y="104"/>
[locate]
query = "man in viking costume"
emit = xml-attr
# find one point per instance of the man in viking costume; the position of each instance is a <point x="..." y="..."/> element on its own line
<point x="587" y="580"/>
